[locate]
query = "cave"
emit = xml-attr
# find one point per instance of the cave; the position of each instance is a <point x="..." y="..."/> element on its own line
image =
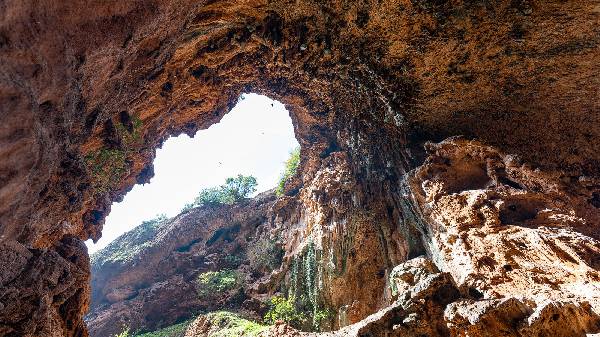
<point x="255" y="139"/>
<point x="393" y="102"/>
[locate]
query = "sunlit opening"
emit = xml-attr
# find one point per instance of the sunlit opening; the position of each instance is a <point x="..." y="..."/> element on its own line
<point x="254" y="138"/>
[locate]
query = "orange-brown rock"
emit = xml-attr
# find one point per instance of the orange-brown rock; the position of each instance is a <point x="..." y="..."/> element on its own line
<point x="89" y="89"/>
<point x="44" y="292"/>
<point x="148" y="278"/>
<point x="503" y="228"/>
<point x="431" y="306"/>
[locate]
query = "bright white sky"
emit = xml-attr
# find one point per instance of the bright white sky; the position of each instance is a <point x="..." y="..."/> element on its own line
<point x="254" y="138"/>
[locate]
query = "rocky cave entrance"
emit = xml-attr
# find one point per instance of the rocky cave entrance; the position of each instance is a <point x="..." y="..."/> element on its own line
<point x="254" y="139"/>
<point x="253" y="147"/>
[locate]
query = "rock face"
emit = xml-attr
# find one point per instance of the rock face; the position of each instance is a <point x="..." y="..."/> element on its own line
<point x="503" y="228"/>
<point x="44" y="292"/>
<point x="150" y="278"/>
<point x="511" y="251"/>
<point x="89" y="89"/>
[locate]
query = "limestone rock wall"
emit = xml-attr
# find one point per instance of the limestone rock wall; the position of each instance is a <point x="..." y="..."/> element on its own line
<point x="507" y="250"/>
<point x="503" y="228"/>
<point x="44" y="292"/>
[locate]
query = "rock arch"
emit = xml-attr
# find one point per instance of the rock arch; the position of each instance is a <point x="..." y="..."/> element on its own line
<point x="89" y="90"/>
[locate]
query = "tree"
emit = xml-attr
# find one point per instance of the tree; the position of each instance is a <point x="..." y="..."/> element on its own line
<point x="234" y="190"/>
<point x="291" y="166"/>
<point x="211" y="196"/>
<point x="240" y="187"/>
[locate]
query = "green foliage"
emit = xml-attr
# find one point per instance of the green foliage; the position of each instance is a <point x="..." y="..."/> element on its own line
<point x="291" y="166"/>
<point x="125" y="333"/>
<point x="284" y="309"/>
<point x="306" y="274"/>
<point x="239" y="187"/>
<point x="217" y="282"/>
<point x="187" y="207"/>
<point x="212" y="196"/>
<point x="175" y="330"/>
<point x="108" y="166"/>
<point x="322" y="317"/>
<point x="265" y="254"/>
<point x="130" y="139"/>
<point x="233" y="260"/>
<point x="234" y="190"/>
<point x="232" y="325"/>
<point x="127" y="246"/>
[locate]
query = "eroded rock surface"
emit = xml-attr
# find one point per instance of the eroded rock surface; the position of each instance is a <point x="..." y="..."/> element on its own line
<point x="503" y="228"/>
<point x="509" y="251"/>
<point x="432" y="305"/>
<point x="44" y="292"/>
<point x="149" y="278"/>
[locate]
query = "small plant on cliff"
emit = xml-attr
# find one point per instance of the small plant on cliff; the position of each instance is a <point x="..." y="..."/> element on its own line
<point x="125" y="333"/>
<point x="234" y="190"/>
<point x="291" y="166"/>
<point x="322" y="318"/>
<point x="107" y="166"/>
<point x="284" y="309"/>
<point x="228" y="324"/>
<point x="233" y="260"/>
<point x="217" y="282"/>
<point x="129" y="132"/>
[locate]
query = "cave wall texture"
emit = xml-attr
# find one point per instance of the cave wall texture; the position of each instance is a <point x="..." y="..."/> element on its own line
<point x="89" y="89"/>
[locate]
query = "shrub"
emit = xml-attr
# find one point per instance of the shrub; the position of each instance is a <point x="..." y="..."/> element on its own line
<point x="284" y="309"/>
<point x="187" y="207"/>
<point x="125" y="333"/>
<point x="291" y="166"/>
<point x="233" y="260"/>
<point x="322" y="317"/>
<point x="175" y="330"/>
<point x="217" y="282"/>
<point x="234" y="190"/>
<point x="228" y="324"/>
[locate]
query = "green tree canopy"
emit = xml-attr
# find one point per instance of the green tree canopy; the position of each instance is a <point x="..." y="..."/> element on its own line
<point x="239" y="187"/>
<point x="234" y="190"/>
<point x="291" y="166"/>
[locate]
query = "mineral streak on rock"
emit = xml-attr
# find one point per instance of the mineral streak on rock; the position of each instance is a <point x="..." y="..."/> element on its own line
<point x="89" y="90"/>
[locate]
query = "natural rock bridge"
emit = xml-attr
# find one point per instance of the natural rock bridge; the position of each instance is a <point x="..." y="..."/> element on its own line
<point x="509" y="214"/>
